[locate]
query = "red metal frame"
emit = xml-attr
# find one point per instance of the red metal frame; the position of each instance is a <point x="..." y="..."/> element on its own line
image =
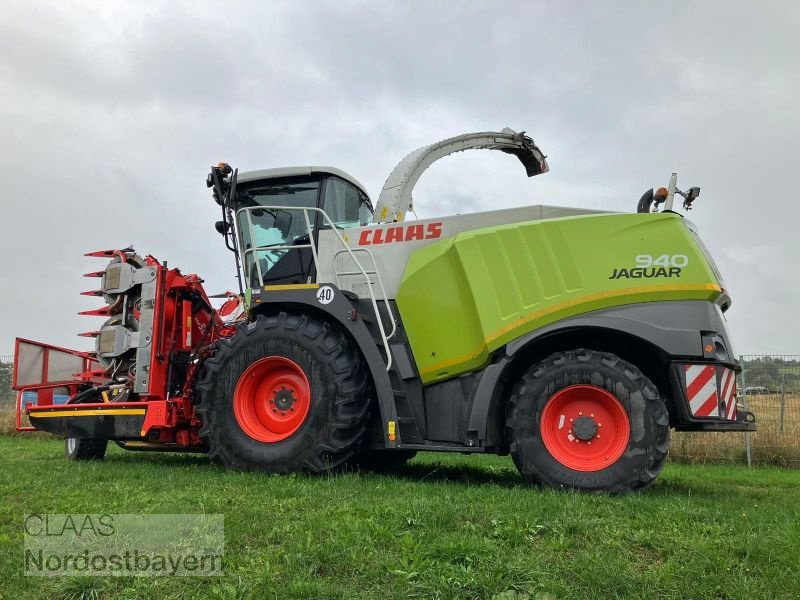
<point x="184" y="321"/>
<point x="72" y="388"/>
<point x="87" y="357"/>
<point x="44" y="389"/>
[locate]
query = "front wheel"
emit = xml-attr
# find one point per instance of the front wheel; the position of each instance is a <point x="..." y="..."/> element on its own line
<point x="286" y="393"/>
<point x="85" y="449"/>
<point x="587" y="420"/>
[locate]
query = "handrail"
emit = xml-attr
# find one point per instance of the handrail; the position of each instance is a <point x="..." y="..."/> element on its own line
<point x="35" y="387"/>
<point x="327" y="220"/>
<point x="380" y="284"/>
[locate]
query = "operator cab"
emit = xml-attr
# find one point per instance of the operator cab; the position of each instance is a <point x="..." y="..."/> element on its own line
<point x="273" y="235"/>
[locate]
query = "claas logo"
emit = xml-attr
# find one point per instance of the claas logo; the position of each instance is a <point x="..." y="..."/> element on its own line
<point x="400" y="233"/>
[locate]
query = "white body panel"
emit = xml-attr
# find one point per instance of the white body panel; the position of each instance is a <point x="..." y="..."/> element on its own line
<point x="391" y="244"/>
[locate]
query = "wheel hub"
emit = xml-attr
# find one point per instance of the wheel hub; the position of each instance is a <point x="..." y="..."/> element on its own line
<point x="584" y="428"/>
<point x="283" y="399"/>
<point x="272" y="399"/>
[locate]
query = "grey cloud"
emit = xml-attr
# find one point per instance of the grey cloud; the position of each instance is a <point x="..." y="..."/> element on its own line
<point x="112" y="113"/>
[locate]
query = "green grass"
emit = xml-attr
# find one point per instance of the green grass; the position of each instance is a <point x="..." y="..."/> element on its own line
<point x="444" y="527"/>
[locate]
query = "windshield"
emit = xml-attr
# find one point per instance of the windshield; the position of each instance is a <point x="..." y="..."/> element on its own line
<point x="265" y="228"/>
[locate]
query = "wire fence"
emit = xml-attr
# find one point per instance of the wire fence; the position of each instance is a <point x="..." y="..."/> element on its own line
<point x="768" y="386"/>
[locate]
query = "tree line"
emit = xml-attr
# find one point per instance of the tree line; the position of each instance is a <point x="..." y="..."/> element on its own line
<point x="772" y="372"/>
<point x="6" y="393"/>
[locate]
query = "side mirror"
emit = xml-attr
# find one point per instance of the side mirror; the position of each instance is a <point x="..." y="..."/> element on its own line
<point x="222" y="227"/>
<point x="690" y="197"/>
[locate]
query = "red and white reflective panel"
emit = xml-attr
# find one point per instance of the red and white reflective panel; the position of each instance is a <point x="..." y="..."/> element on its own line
<point x="701" y="390"/>
<point x="727" y="388"/>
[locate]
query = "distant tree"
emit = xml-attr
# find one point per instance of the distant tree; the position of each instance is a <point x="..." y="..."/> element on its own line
<point x="771" y="372"/>
<point x="6" y="393"/>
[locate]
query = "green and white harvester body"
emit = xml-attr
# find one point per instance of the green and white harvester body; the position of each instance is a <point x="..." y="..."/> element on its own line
<point x="572" y="339"/>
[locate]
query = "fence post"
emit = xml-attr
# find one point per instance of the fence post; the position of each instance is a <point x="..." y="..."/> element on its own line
<point x="783" y="399"/>
<point x="748" y="450"/>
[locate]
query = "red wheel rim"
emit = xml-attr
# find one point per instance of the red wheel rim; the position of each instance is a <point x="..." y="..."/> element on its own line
<point x="272" y="399"/>
<point x="585" y="427"/>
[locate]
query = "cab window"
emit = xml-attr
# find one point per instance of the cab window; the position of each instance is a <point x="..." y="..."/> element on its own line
<point x="270" y="228"/>
<point x="346" y="205"/>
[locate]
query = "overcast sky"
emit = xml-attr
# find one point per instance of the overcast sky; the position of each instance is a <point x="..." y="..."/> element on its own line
<point x="110" y="115"/>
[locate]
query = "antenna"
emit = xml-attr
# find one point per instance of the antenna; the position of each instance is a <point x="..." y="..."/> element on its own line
<point x="673" y="184"/>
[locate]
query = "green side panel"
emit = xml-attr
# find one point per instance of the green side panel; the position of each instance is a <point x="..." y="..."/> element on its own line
<point x="466" y="296"/>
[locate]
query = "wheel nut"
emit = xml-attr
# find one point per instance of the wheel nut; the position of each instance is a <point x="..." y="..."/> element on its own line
<point x="274" y="410"/>
<point x="283" y="412"/>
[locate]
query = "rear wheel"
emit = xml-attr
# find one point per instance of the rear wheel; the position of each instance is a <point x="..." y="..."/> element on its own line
<point x="286" y="393"/>
<point x="588" y="420"/>
<point x="85" y="449"/>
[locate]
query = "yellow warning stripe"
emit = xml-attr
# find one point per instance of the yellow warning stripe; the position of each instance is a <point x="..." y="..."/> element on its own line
<point x="291" y="286"/>
<point x="711" y="287"/>
<point x="87" y="412"/>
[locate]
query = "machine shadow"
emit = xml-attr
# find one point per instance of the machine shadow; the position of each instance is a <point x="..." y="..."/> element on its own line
<point x="413" y="473"/>
<point x="431" y="473"/>
<point x="463" y="474"/>
<point x="163" y="459"/>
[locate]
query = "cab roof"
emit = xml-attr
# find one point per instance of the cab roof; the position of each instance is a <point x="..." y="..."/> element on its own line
<point x="247" y="176"/>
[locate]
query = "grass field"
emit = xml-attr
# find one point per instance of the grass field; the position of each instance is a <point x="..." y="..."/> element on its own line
<point x="444" y="527"/>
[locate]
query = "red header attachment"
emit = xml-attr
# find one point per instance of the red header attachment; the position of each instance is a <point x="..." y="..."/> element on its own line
<point x="98" y="312"/>
<point x="109" y="253"/>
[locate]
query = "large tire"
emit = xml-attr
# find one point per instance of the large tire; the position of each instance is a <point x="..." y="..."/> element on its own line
<point x="552" y="446"/>
<point x="306" y="409"/>
<point x="85" y="449"/>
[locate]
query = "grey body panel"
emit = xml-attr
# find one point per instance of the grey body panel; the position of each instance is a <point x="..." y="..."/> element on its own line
<point x="673" y="326"/>
<point x="146" y="326"/>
